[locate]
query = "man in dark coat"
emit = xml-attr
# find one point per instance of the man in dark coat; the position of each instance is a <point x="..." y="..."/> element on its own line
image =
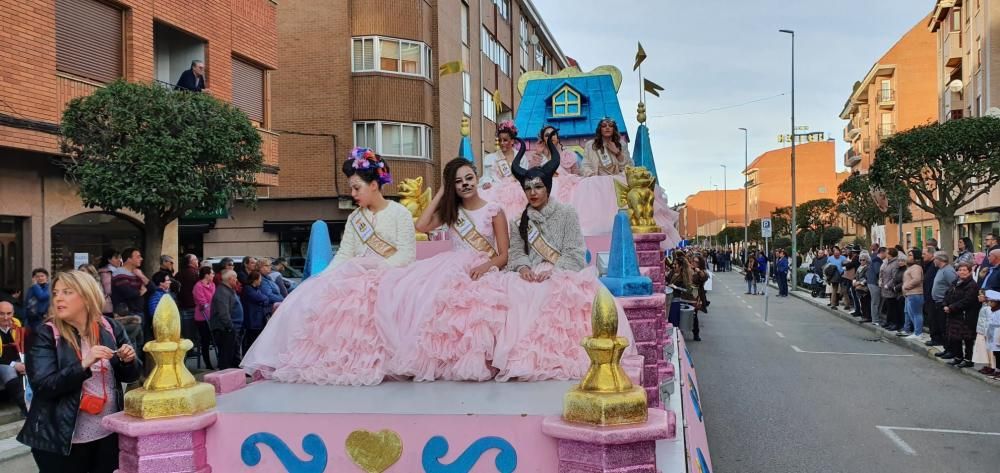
<point x="192" y="80"/>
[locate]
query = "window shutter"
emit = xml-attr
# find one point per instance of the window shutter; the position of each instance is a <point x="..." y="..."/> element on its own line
<point x="248" y="89"/>
<point x="89" y="39"/>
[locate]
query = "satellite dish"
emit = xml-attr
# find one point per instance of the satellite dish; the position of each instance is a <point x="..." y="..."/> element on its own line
<point x="533" y="40"/>
<point x="956" y="85"/>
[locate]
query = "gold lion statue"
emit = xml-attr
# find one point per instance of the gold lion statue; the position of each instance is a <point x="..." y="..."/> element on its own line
<point x="414" y="200"/>
<point x="637" y="198"/>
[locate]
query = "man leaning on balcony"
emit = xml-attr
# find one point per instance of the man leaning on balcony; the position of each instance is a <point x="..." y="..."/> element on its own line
<point x="193" y="79"/>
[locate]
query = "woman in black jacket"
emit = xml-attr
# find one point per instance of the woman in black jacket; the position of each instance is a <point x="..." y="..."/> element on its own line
<point x="961" y="304"/>
<point x="76" y="363"/>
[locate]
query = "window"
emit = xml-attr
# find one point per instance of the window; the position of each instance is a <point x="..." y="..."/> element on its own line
<point x="467" y="93"/>
<point x="394" y="140"/>
<point x="495" y="52"/>
<point x="489" y="109"/>
<point x="394" y="55"/>
<point x="89" y="39"/>
<point x="566" y="103"/>
<point x="524" y="44"/>
<point x="539" y="56"/>
<point x="503" y="8"/>
<point x="956" y="20"/>
<point x="248" y="89"/>
<point x="465" y="23"/>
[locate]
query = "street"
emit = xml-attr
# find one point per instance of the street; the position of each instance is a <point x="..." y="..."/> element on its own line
<point x="806" y="391"/>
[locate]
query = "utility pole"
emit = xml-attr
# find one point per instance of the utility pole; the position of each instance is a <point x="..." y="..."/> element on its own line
<point x="795" y="253"/>
<point x="746" y="193"/>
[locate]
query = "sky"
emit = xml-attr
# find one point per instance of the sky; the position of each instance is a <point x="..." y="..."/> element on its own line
<point x="709" y="54"/>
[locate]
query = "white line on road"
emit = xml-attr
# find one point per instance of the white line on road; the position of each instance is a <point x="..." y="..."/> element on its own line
<point x="749" y="306"/>
<point x="799" y="350"/>
<point x="779" y="334"/>
<point x="905" y="447"/>
<point x="769" y="324"/>
<point x="940" y="431"/>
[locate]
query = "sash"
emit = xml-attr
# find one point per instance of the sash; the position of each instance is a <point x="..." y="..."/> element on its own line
<point x="503" y="166"/>
<point x="466" y="228"/>
<point x="366" y="231"/>
<point x="538" y="242"/>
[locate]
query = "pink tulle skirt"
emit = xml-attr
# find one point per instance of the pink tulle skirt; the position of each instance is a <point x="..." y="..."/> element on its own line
<point x="596" y="202"/>
<point x="509" y="194"/>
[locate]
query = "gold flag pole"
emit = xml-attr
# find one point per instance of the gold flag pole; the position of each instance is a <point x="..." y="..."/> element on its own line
<point x="640" y="56"/>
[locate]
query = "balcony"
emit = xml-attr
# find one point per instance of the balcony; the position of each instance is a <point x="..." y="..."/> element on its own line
<point x="956" y="114"/>
<point x="851" y="158"/>
<point x="69" y="87"/>
<point x="952" y="49"/>
<point x="886" y="130"/>
<point x="886" y="98"/>
<point x="269" y="149"/>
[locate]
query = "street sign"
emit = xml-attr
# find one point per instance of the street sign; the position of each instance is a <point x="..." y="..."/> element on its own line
<point x="765" y="228"/>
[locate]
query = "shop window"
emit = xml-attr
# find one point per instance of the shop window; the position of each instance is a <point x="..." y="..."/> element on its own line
<point x="85" y="237"/>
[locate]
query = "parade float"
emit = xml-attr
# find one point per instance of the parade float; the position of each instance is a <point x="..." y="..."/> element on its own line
<point x="643" y="418"/>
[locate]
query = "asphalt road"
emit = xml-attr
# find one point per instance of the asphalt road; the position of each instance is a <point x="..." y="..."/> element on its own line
<point x="809" y="392"/>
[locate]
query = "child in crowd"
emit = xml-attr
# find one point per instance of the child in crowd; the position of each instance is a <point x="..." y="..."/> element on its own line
<point x="992" y="334"/>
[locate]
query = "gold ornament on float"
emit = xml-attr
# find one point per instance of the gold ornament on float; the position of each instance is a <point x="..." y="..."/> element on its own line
<point x="606" y="395"/>
<point x="415" y="201"/>
<point x="637" y="197"/>
<point x="170" y="390"/>
<point x="374" y="452"/>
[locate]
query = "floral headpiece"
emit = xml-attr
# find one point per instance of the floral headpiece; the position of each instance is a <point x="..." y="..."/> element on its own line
<point x="507" y="126"/>
<point x="365" y="158"/>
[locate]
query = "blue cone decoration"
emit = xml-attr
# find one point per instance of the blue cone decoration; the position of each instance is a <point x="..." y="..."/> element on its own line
<point x="623" y="279"/>
<point x="320" y="251"/>
<point x="465" y="150"/>
<point x="642" y="154"/>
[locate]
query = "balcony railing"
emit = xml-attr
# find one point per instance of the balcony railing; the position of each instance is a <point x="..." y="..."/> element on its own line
<point x="851" y="158"/>
<point x="886" y="97"/>
<point x="956" y="114"/>
<point x="69" y="87"/>
<point x="886" y="129"/>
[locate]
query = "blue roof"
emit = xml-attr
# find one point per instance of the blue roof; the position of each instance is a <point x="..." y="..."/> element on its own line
<point x="598" y="96"/>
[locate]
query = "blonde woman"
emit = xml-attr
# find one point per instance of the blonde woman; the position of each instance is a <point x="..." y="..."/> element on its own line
<point x="76" y="364"/>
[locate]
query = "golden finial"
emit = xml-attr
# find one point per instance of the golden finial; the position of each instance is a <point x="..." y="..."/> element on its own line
<point x="170" y="390"/>
<point x="415" y="198"/>
<point x="466" y="128"/>
<point x="641" y="113"/>
<point x="605" y="396"/>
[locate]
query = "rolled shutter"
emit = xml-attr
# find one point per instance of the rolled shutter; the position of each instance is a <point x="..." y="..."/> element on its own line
<point x="248" y="89"/>
<point x="89" y="39"/>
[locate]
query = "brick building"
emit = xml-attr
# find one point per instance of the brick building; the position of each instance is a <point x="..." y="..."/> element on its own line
<point x="54" y="50"/>
<point x="365" y="73"/>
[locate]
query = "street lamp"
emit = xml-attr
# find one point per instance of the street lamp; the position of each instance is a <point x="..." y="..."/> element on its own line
<point x="725" y="203"/>
<point x="716" y="186"/>
<point x="746" y="193"/>
<point x="794" y="252"/>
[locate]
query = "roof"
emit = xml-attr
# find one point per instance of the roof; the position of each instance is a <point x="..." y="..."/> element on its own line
<point x="599" y="97"/>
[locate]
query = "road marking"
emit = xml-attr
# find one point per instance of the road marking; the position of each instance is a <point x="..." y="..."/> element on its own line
<point x="799" y="350"/>
<point x="749" y="306"/>
<point x="779" y="334"/>
<point x="905" y="447"/>
<point x="769" y="324"/>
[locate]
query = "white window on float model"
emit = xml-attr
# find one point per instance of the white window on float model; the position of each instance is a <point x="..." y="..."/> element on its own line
<point x="394" y="140"/>
<point x="566" y="103"/>
<point x="377" y="54"/>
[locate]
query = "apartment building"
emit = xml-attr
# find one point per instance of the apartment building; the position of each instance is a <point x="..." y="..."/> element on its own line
<point x="706" y="213"/>
<point x="898" y="93"/>
<point x="54" y="50"/>
<point x="769" y="178"/>
<point x="964" y="34"/>
<point x="365" y="73"/>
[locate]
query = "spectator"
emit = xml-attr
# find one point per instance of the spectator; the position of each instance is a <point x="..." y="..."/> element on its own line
<point x="110" y="262"/>
<point x="90" y="356"/>
<point x="961" y="304"/>
<point x="878" y="255"/>
<point x="225" y="309"/>
<point x="91" y="270"/>
<point x="168" y="267"/>
<point x="966" y="252"/>
<point x="161" y="282"/>
<point x="279" y="280"/>
<point x="750" y="275"/>
<point x="913" y="291"/>
<point x="128" y="286"/>
<point x="249" y="265"/>
<point x="257" y="307"/>
<point x="837" y="292"/>
<point x="193" y="79"/>
<point x="930" y="272"/>
<point x="203" y="292"/>
<point x="762" y="268"/>
<point x="38" y="298"/>
<point x="891" y="286"/>
<point x="781" y="273"/>
<point x="861" y="287"/>
<point x="187" y="277"/>
<point x="269" y="286"/>
<point x="13" y="296"/>
<point x="944" y="279"/>
<point x="991" y="279"/>
<point x="991" y="242"/>
<point x="850" y="274"/>
<point x="993" y="333"/>
<point x="11" y="367"/>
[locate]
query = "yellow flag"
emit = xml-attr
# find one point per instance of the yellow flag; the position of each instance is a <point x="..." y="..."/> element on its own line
<point x="498" y="101"/>
<point x="640" y="56"/>
<point x="450" y="68"/>
<point x="651" y="87"/>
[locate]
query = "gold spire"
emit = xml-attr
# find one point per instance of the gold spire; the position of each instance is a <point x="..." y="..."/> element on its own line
<point x="641" y="113"/>
<point x="605" y="396"/>
<point x="466" y="129"/>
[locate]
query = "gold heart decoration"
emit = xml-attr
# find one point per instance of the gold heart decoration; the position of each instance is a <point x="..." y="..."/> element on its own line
<point x="374" y="452"/>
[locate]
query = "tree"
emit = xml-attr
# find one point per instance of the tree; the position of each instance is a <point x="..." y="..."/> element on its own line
<point x="817" y="215"/>
<point x="832" y="235"/>
<point x="945" y="166"/>
<point x="780" y="219"/>
<point x="854" y="199"/>
<point x="160" y="154"/>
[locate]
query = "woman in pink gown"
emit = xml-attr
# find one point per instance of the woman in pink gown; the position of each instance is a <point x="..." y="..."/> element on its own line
<point x="498" y="184"/>
<point x="568" y="175"/>
<point x="324" y="332"/>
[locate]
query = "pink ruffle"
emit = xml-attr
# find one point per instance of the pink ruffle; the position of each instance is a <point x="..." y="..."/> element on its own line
<point x="509" y="194"/>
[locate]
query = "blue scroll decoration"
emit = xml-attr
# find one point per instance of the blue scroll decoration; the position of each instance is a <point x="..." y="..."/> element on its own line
<point x="702" y="462"/>
<point x="437" y="447"/>
<point x="312" y="444"/>
<point x="695" y="401"/>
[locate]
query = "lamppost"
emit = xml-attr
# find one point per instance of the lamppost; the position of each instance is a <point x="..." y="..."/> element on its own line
<point x="746" y="193"/>
<point x="725" y="204"/>
<point x="716" y="186"/>
<point x="794" y="249"/>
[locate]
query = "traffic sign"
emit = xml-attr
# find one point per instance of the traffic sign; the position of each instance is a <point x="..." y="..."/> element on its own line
<point x="765" y="228"/>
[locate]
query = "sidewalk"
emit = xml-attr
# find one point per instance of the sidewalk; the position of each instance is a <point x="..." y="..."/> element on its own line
<point x="917" y="346"/>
